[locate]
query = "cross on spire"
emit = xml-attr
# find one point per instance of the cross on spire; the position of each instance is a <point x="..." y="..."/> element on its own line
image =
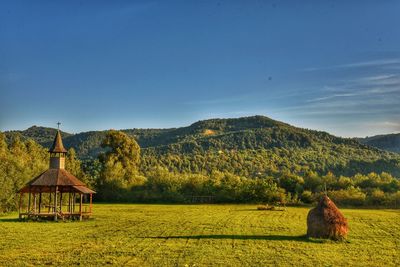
<point x="58" y="125"/>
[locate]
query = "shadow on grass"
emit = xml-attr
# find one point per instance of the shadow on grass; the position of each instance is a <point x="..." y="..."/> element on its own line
<point x="301" y="238"/>
<point x="10" y="220"/>
<point x="43" y="220"/>
<point x="278" y="209"/>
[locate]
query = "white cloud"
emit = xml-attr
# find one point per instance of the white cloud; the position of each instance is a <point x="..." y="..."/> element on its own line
<point x="371" y="63"/>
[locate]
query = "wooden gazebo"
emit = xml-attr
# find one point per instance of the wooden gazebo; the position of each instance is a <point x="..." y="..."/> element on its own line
<point x="55" y="193"/>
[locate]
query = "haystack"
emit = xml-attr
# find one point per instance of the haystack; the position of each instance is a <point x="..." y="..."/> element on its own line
<point x="326" y="221"/>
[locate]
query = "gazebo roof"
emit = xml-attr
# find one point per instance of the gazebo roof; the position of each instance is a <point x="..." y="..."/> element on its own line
<point x="58" y="146"/>
<point x="57" y="177"/>
<point x="53" y="177"/>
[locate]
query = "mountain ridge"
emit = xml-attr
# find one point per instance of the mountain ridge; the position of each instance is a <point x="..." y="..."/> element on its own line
<point x="245" y="146"/>
<point x="201" y="129"/>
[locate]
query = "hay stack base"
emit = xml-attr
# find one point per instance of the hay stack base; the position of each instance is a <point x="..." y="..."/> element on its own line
<point x="326" y="221"/>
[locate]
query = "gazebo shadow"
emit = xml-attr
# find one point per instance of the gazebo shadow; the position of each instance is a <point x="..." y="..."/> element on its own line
<point x="10" y="220"/>
<point x="301" y="238"/>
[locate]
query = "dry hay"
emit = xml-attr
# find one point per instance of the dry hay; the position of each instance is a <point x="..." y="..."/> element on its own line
<point x="326" y="221"/>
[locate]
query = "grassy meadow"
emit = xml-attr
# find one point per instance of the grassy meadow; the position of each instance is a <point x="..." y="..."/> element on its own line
<point x="198" y="235"/>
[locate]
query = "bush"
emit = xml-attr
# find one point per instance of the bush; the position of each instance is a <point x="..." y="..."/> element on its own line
<point x="307" y="197"/>
<point x="393" y="200"/>
<point x="377" y="197"/>
<point x="352" y="196"/>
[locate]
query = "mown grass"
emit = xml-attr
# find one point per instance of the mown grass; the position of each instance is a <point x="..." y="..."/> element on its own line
<point x="199" y="235"/>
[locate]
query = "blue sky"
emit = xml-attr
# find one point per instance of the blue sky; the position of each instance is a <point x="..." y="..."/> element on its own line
<point x="325" y="65"/>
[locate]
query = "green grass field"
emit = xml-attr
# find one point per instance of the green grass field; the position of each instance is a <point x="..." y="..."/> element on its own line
<point x="199" y="235"/>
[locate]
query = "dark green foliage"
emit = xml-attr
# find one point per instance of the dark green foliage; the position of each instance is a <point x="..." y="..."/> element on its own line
<point x="389" y="142"/>
<point x="87" y="144"/>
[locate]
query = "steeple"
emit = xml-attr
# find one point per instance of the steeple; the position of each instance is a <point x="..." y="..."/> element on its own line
<point x="57" y="152"/>
<point x="57" y="146"/>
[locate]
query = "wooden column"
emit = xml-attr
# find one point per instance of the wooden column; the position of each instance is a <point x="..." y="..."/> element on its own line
<point x="61" y="194"/>
<point x="40" y="200"/>
<point x="55" y="204"/>
<point x="48" y="211"/>
<point x="69" y="202"/>
<point x="73" y="202"/>
<point x="80" y="208"/>
<point x="20" y="204"/>
<point x="90" y="207"/>
<point x="29" y="201"/>
<point x="34" y="203"/>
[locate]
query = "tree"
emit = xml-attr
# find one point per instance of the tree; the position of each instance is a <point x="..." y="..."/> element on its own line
<point x="120" y="165"/>
<point x="74" y="166"/>
<point x="19" y="162"/>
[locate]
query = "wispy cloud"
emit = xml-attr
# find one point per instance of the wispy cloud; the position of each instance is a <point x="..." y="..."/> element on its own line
<point x="362" y="87"/>
<point x="370" y="63"/>
<point x="392" y="124"/>
<point x="329" y="97"/>
<point x="379" y="62"/>
<point x="378" y="77"/>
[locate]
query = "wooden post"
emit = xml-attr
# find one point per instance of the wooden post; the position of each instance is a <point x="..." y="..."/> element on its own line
<point x="80" y="208"/>
<point x="73" y="202"/>
<point x="29" y="201"/>
<point x="48" y="211"/>
<point x="40" y="200"/>
<point x="34" y="203"/>
<point x="90" y="207"/>
<point x="69" y="202"/>
<point x="61" y="201"/>
<point x="55" y="204"/>
<point x="20" y="204"/>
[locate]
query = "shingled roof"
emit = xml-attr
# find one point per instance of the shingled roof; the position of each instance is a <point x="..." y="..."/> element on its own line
<point x="53" y="177"/>
<point x="58" y="146"/>
<point x="57" y="177"/>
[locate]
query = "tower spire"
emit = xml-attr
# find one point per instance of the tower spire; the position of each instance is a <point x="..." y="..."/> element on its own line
<point x="58" y="146"/>
<point x="57" y="151"/>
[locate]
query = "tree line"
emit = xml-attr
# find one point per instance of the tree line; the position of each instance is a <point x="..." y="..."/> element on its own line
<point x="124" y="173"/>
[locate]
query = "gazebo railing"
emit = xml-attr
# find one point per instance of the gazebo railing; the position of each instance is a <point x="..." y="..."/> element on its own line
<point x="58" y="207"/>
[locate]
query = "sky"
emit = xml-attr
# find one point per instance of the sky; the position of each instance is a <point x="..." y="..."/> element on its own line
<point x="93" y="65"/>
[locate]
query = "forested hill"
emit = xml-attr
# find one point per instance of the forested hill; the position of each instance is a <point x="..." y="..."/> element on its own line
<point x="247" y="146"/>
<point x="390" y="142"/>
<point x="41" y="135"/>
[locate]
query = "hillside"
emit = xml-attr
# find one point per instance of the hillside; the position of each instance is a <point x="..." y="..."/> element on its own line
<point x="250" y="146"/>
<point x="390" y="142"/>
<point x="42" y="135"/>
